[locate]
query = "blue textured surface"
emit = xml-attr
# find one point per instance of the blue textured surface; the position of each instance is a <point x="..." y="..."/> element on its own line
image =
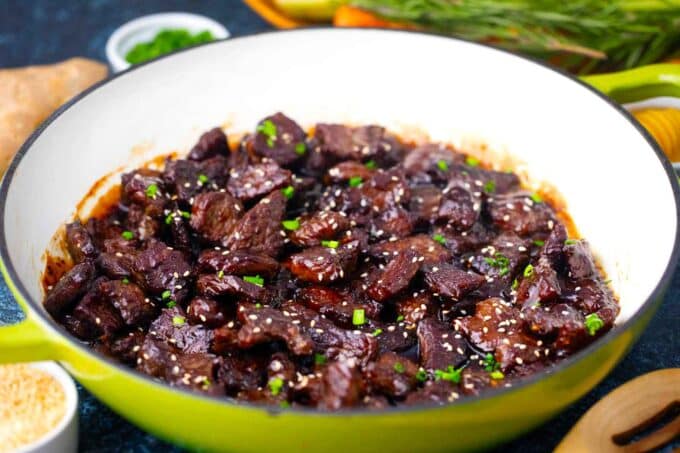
<point x="34" y="32"/>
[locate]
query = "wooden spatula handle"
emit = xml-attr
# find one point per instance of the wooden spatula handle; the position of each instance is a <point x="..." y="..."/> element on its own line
<point x="630" y="408"/>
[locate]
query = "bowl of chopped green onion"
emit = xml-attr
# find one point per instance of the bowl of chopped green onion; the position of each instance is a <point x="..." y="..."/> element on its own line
<point x="149" y="37"/>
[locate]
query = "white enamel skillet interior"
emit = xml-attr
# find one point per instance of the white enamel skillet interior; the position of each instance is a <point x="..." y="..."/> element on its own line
<point x="617" y="185"/>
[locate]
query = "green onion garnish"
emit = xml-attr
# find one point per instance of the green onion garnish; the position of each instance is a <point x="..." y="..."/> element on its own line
<point x="400" y="318"/>
<point x="300" y="148"/>
<point x="220" y="274"/>
<point x="330" y="244"/>
<point x="442" y="165"/>
<point x="185" y="214"/>
<point x="536" y="198"/>
<point x="499" y="261"/>
<point x="471" y="161"/>
<point x="528" y="271"/>
<point x="371" y="165"/>
<point x="291" y="225"/>
<point x="169" y="219"/>
<point x="178" y="321"/>
<point x="399" y="367"/>
<point x="127" y="235"/>
<point x="171" y="304"/>
<point x="202" y="178"/>
<point x="319" y="359"/>
<point x="355" y="181"/>
<point x="593" y="323"/>
<point x="288" y="192"/>
<point x="539" y="243"/>
<point x="166" y="294"/>
<point x="450" y="374"/>
<point x="358" y="316"/>
<point x="255" y="280"/>
<point x="268" y="129"/>
<point x="570" y="242"/>
<point x="439" y="238"/>
<point x="497" y="375"/>
<point x="126" y="281"/>
<point x="275" y="385"/>
<point x="151" y="191"/>
<point x="421" y="375"/>
<point x="490" y="186"/>
<point x="377" y="332"/>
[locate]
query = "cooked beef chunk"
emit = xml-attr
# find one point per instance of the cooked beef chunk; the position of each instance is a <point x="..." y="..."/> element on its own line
<point x="347" y="269"/>
<point x="264" y="324"/>
<point x="259" y="231"/>
<point x="280" y="139"/>
<point x="79" y="242"/>
<point x="324" y="264"/>
<point x="206" y="311"/>
<point x="439" y="346"/>
<point x="240" y="262"/>
<point x="343" y="385"/>
<point x="323" y="225"/>
<point x="210" y="144"/>
<point x="394" y="277"/>
<point x="213" y="285"/>
<point x="393" y="375"/>
<point x="257" y="180"/>
<point x="449" y="281"/>
<point x="158" y="268"/>
<point x="69" y="288"/>
<point x="215" y="215"/>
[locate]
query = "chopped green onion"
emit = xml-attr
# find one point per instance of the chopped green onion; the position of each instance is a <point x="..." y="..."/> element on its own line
<point x="528" y="271"/>
<point x="202" y="178"/>
<point x="570" y="242"/>
<point x="275" y="385"/>
<point x="300" y="149"/>
<point x="185" y="214"/>
<point x="288" y="192"/>
<point x="497" y="375"/>
<point x="126" y="281"/>
<point x="539" y="243"/>
<point x="490" y="186"/>
<point x="471" y="161"/>
<point x="421" y="375"/>
<point x="377" y="332"/>
<point x="439" y="238"/>
<point x="371" y="165"/>
<point x="400" y="318"/>
<point x="151" y="191"/>
<point x="268" y="129"/>
<point x="258" y="305"/>
<point x="593" y="323"/>
<point x="127" y="235"/>
<point x="490" y="363"/>
<point x="450" y="374"/>
<point x="499" y="261"/>
<point x="291" y="225"/>
<point x="220" y="274"/>
<point x="255" y="280"/>
<point x="355" y="181"/>
<point x="536" y="198"/>
<point x="178" y="320"/>
<point x="515" y="284"/>
<point x="442" y="165"/>
<point x="399" y="367"/>
<point x="171" y="304"/>
<point x="166" y="294"/>
<point x="319" y="359"/>
<point x="358" y="316"/>
<point x="169" y="219"/>
<point x="206" y="384"/>
<point x="330" y="244"/>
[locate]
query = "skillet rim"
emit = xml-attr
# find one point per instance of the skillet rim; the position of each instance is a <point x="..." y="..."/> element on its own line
<point x="652" y="301"/>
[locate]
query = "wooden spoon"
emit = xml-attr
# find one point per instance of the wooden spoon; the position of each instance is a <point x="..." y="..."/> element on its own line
<point x="636" y="406"/>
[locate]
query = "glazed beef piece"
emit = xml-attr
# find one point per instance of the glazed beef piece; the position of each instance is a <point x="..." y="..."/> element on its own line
<point x="79" y="242"/>
<point x="210" y="144"/>
<point x="280" y="138"/>
<point x="257" y="180"/>
<point x="346" y="269"/>
<point x="215" y="215"/>
<point x="69" y="288"/>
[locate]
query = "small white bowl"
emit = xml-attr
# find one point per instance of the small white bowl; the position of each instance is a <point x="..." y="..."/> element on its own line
<point x="64" y="437"/>
<point x="145" y="28"/>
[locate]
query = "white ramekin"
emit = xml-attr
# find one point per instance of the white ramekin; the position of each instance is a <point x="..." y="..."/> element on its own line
<point x="64" y="437"/>
<point x="145" y="28"/>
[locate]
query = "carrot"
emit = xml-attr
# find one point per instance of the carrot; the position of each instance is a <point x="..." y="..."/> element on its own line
<point x="350" y="16"/>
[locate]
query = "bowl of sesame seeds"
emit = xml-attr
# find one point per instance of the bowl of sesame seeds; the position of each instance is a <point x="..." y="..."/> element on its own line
<point x="37" y="409"/>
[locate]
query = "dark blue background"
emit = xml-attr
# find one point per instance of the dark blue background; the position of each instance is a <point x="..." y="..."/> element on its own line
<point x="35" y="32"/>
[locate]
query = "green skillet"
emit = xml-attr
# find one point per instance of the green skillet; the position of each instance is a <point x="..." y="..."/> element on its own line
<point x="564" y="131"/>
